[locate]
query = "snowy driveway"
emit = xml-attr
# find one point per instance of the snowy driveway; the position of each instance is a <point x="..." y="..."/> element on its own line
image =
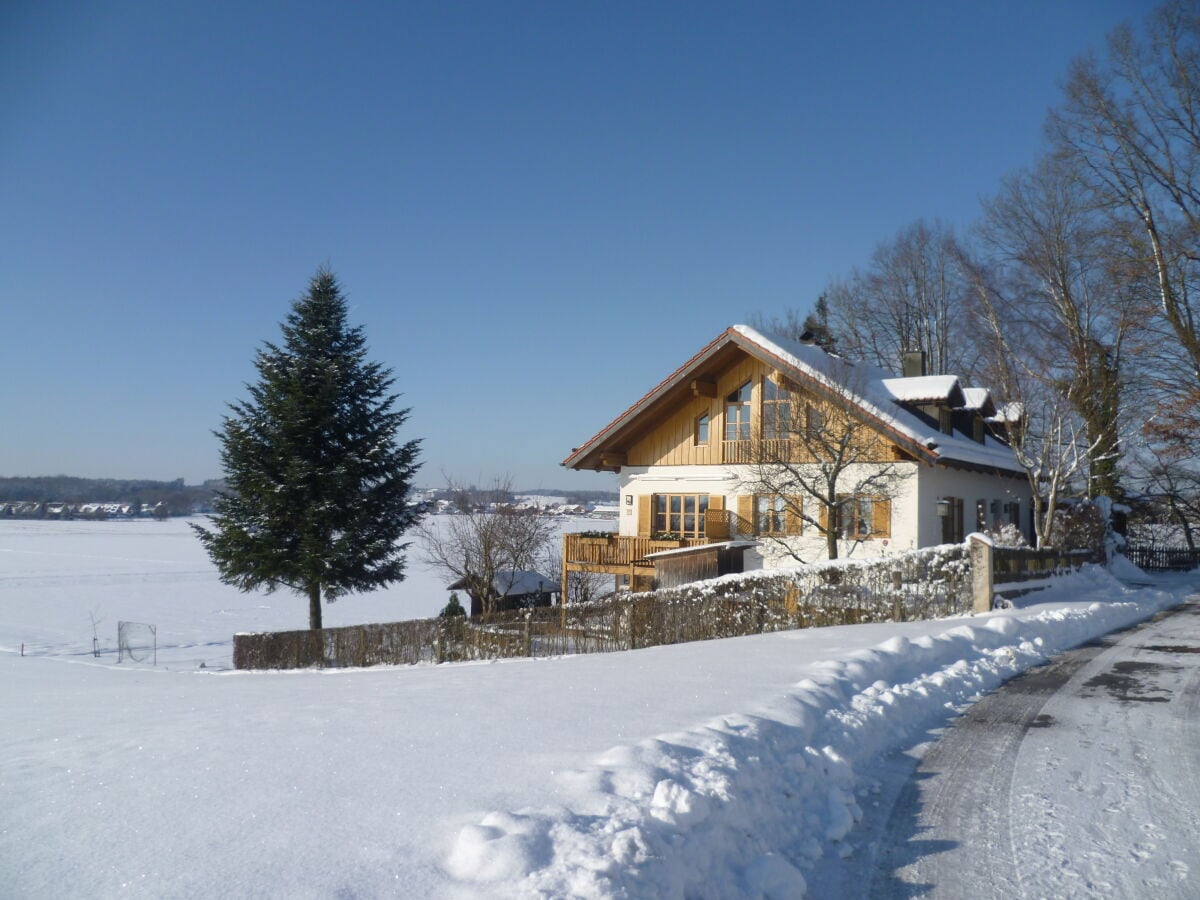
<point x="1079" y="779"/>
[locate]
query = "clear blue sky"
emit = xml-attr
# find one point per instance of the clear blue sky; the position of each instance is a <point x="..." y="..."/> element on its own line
<point x="537" y="210"/>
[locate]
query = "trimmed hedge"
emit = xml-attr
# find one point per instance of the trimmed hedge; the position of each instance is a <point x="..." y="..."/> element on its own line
<point x="919" y="585"/>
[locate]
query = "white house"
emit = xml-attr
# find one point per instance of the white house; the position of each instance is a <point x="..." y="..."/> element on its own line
<point x="690" y="459"/>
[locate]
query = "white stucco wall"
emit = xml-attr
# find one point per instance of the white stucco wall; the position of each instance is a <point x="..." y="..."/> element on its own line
<point x="915" y="522"/>
<point x="971" y="487"/>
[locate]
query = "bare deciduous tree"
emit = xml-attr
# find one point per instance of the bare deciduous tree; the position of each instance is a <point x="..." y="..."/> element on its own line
<point x="1132" y="122"/>
<point x="816" y="461"/>
<point x="1061" y="298"/>
<point x="485" y="541"/>
<point x="1044" y="430"/>
<point x="582" y="587"/>
<point x="1168" y="474"/>
<point x="909" y="297"/>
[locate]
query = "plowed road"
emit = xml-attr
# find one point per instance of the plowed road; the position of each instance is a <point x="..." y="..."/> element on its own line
<point x="1079" y="779"/>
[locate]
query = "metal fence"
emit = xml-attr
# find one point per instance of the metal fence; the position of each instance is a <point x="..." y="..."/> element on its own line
<point x="1162" y="559"/>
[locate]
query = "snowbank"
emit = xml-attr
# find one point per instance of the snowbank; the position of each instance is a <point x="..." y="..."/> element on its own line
<point x="743" y="804"/>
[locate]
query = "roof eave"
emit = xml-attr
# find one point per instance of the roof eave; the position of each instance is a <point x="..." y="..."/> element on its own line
<point x="578" y="459"/>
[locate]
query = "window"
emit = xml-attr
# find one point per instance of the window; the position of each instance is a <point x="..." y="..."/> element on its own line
<point x="700" y="430"/>
<point x="950" y="509"/>
<point x="1012" y="512"/>
<point x="977" y="424"/>
<point x="737" y="414"/>
<point x="946" y="420"/>
<point x="861" y="517"/>
<point x="814" y="422"/>
<point x="777" y="410"/>
<point x="770" y="514"/>
<point x="680" y="514"/>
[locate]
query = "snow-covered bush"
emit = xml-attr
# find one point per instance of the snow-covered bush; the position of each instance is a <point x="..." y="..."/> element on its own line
<point x="1079" y="526"/>
<point x="1007" y="535"/>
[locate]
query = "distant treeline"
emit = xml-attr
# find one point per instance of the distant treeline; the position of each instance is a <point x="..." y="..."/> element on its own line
<point x="180" y="499"/>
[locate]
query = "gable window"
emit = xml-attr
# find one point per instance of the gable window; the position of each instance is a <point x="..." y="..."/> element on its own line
<point x="814" y="421"/>
<point x="680" y="514"/>
<point x="737" y="414"/>
<point x="977" y="425"/>
<point x="860" y="517"/>
<point x="777" y="410"/>
<point x="700" y="430"/>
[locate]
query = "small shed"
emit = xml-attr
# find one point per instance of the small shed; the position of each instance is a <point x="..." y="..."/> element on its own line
<point x="687" y="564"/>
<point x="517" y="589"/>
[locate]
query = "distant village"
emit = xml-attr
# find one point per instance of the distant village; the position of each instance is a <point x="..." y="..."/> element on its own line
<point x="440" y="502"/>
<point x="23" y="509"/>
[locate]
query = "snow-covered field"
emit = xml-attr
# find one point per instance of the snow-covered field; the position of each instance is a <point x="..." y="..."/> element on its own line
<point x="718" y="769"/>
<point x="57" y="577"/>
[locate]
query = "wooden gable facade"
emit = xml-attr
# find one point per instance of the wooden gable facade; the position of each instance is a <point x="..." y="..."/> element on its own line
<point x="717" y="418"/>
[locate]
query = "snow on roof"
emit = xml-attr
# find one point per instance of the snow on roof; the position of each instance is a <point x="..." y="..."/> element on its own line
<point x="1009" y="412"/>
<point x="869" y="387"/>
<point x="977" y="398"/>
<point x="922" y="388"/>
<point x="716" y="545"/>
<point x="515" y="583"/>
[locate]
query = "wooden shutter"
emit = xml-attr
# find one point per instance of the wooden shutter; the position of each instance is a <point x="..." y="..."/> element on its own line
<point x="716" y="522"/>
<point x="745" y="514"/>
<point x="794" y="507"/>
<point x="645" y="514"/>
<point x="881" y="518"/>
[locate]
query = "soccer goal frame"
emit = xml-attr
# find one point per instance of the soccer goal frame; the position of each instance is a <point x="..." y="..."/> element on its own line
<point x="137" y="641"/>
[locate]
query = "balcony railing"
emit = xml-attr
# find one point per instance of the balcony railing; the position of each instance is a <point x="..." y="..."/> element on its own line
<point x="618" y="551"/>
<point x="763" y="450"/>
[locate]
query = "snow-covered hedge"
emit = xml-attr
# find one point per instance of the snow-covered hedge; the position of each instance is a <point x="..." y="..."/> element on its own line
<point x="920" y="584"/>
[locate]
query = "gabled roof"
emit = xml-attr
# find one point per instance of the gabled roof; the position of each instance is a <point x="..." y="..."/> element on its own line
<point x="878" y="394"/>
<point x="516" y="583"/>
<point x="979" y="400"/>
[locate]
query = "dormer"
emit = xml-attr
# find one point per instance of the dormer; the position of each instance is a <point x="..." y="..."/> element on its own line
<point x="971" y="418"/>
<point x="933" y="397"/>
<point x="1007" y="421"/>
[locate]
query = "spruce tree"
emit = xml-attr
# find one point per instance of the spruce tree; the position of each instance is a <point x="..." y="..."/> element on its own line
<point x="452" y="608"/>
<point x="318" y="488"/>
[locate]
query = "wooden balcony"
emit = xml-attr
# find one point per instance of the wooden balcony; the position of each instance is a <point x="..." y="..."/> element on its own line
<point x="618" y="552"/>
<point x="617" y="555"/>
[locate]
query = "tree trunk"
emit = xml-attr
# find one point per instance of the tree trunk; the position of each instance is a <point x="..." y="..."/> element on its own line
<point x="314" y="607"/>
<point x="831" y="537"/>
<point x="1187" y="529"/>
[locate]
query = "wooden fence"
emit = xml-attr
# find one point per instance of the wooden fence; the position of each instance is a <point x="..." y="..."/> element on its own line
<point x="1014" y="565"/>
<point x="933" y="583"/>
<point x="914" y="586"/>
